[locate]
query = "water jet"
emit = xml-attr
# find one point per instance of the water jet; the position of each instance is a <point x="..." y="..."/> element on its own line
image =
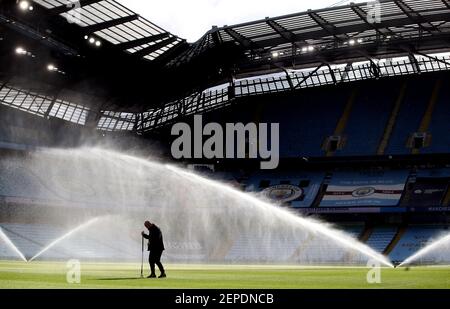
<point x="429" y="249"/>
<point x="11" y="245"/>
<point x="65" y="236"/>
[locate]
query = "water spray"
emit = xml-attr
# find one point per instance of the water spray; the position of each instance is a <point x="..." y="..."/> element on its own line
<point x="65" y="236"/>
<point x="314" y="226"/>
<point x="11" y="245"/>
<point x="423" y="252"/>
<point x="186" y="202"/>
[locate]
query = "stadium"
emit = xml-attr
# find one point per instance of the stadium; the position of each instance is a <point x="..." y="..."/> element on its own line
<point x="349" y="103"/>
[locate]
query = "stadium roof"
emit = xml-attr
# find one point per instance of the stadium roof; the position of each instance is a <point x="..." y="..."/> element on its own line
<point x="100" y="48"/>
<point x="332" y="34"/>
<point x="142" y="77"/>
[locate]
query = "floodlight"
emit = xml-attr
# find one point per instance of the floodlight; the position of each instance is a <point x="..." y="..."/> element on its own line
<point x="20" y="51"/>
<point x="52" y="68"/>
<point x="25" y="5"/>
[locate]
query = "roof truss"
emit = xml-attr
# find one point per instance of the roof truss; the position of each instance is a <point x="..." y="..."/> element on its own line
<point x="110" y="23"/>
<point x="152" y="48"/>
<point x="71" y="5"/>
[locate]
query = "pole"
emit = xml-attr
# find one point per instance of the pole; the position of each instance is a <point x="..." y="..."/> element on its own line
<point x="142" y="257"/>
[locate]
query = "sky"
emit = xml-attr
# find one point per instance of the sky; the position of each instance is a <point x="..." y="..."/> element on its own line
<point x="191" y="19"/>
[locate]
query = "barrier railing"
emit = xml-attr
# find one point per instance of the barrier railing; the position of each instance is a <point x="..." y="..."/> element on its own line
<point x="226" y="94"/>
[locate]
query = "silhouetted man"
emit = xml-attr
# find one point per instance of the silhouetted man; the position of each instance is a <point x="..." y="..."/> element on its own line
<point x="156" y="248"/>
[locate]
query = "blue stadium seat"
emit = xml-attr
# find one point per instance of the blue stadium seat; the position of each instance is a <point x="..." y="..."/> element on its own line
<point x="414" y="239"/>
<point x="413" y="108"/>
<point x="306" y="120"/>
<point x="440" y="124"/>
<point x="368" y="119"/>
<point x="381" y="237"/>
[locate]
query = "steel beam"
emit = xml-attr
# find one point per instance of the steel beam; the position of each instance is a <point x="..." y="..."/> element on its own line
<point x="414" y="63"/>
<point x="417" y="18"/>
<point x="242" y="40"/>
<point x="308" y="76"/>
<point x="109" y="24"/>
<point x="447" y="3"/>
<point x="283" y="32"/>
<point x="433" y="58"/>
<point x="328" y="27"/>
<point x="215" y="34"/>
<point x="143" y="41"/>
<point x="50" y="107"/>
<point x="347" y="69"/>
<point x="70" y="5"/>
<point x="152" y="48"/>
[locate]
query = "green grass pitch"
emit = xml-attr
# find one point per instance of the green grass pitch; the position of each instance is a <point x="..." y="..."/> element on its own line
<point x="106" y="275"/>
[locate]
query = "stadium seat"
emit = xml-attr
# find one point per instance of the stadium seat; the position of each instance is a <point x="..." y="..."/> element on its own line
<point x="414" y="239"/>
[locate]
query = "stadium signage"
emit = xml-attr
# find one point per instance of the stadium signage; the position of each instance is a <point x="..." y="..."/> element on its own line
<point x="364" y="192"/>
<point x="235" y="141"/>
<point x="283" y="193"/>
